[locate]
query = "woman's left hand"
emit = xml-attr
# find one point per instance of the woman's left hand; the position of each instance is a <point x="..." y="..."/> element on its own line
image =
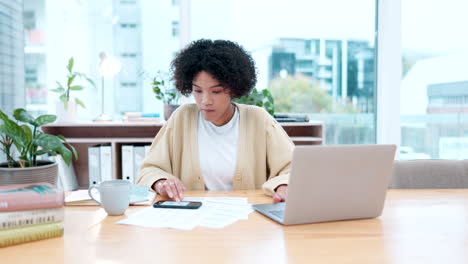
<point x="280" y="194"/>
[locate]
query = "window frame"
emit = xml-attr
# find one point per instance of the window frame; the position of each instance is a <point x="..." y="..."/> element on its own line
<point x="389" y="69"/>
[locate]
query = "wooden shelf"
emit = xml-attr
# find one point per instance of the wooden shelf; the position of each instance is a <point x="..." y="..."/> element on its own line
<point x="116" y="134"/>
<point x="110" y="140"/>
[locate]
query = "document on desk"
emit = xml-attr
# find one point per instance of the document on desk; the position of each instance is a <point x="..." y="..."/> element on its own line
<point x="139" y="195"/>
<point x="215" y="212"/>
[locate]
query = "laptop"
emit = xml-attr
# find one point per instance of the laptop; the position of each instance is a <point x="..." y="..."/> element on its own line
<point x="331" y="183"/>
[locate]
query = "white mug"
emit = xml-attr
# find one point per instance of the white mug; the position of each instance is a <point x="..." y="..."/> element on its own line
<point x="115" y="196"/>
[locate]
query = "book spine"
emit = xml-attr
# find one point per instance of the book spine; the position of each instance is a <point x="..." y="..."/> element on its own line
<point x="127" y="163"/>
<point x="106" y="163"/>
<point x="31" y="217"/>
<point x="144" y="119"/>
<point x="138" y="158"/>
<point x="138" y="115"/>
<point x="94" y="165"/>
<point x="25" y="234"/>
<point x="29" y="201"/>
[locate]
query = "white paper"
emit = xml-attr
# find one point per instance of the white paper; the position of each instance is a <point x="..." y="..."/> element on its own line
<point x="138" y="196"/>
<point x="215" y="212"/>
<point x="79" y="195"/>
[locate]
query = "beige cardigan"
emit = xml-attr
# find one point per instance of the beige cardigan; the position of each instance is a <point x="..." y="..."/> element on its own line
<point x="263" y="158"/>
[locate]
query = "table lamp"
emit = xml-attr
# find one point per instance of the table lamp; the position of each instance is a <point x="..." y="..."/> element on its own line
<point x="108" y="67"/>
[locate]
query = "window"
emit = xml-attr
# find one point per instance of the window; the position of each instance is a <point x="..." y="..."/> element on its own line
<point x="128" y="84"/>
<point x="29" y="20"/>
<point x="128" y="55"/>
<point x="128" y="25"/>
<point x="316" y="57"/>
<point x="30" y="74"/>
<point x="434" y="91"/>
<point x="175" y="28"/>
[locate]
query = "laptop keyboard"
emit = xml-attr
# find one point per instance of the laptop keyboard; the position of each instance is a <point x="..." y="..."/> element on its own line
<point x="279" y="213"/>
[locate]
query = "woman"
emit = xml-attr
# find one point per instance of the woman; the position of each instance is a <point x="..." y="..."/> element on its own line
<point x="216" y="144"/>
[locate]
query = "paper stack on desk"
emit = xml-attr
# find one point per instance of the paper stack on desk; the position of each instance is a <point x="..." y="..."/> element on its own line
<point x="215" y="212"/>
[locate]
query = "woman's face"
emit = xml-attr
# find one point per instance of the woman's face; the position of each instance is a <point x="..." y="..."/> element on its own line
<point x="213" y="100"/>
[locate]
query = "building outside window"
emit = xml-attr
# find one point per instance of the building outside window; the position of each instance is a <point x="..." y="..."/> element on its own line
<point x="434" y="111"/>
<point x="12" y="94"/>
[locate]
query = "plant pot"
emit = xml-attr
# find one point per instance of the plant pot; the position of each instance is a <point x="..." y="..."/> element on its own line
<point x="45" y="172"/>
<point x="168" y="109"/>
<point x="65" y="115"/>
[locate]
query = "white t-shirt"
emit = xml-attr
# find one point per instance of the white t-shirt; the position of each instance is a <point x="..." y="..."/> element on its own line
<point x="217" y="148"/>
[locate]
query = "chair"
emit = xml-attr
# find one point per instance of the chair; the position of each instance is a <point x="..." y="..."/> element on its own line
<point x="430" y="174"/>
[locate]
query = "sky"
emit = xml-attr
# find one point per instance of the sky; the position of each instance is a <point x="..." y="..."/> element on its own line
<point x="428" y="26"/>
<point x="256" y="24"/>
<point x="435" y="26"/>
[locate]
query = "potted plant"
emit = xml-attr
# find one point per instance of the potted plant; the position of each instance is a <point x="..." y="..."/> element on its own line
<point x="24" y="134"/>
<point x="66" y="107"/>
<point x="169" y="95"/>
<point x="262" y="99"/>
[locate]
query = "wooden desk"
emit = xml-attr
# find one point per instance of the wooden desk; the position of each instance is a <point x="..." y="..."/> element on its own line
<point x="418" y="226"/>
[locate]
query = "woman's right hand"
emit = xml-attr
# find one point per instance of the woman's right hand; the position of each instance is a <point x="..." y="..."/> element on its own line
<point x="170" y="188"/>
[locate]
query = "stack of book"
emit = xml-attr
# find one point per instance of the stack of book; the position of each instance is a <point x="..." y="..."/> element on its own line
<point x="141" y="117"/>
<point x="291" y="117"/>
<point x="30" y="212"/>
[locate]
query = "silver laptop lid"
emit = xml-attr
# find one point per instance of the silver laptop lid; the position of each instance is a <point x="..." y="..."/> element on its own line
<point x="330" y="183"/>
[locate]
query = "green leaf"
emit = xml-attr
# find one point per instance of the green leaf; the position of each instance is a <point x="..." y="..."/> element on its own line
<point x="48" y="142"/>
<point x="70" y="79"/>
<point x="90" y="81"/>
<point x="60" y="85"/>
<point x="75" y="153"/>
<point x="58" y="90"/>
<point x="63" y="98"/>
<point x="79" y="102"/>
<point x="76" y="88"/>
<point x="22" y="115"/>
<point x="71" y="61"/>
<point x="45" y="119"/>
<point x="16" y="132"/>
<point x="27" y="132"/>
<point x="66" y="154"/>
<point x="4" y="117"/>
<point x="23" y="157"/>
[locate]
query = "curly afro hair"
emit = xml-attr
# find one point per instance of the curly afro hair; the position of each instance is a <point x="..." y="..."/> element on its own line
<point x="225" y="60"/>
